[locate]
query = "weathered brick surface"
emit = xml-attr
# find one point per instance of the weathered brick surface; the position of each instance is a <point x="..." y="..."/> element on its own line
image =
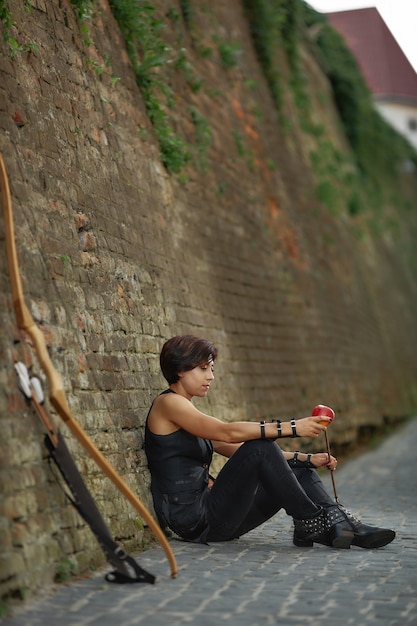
<point x="116" y="256"/>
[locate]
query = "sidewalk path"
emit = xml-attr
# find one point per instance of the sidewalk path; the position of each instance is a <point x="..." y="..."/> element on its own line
<point x="262" y="579"/>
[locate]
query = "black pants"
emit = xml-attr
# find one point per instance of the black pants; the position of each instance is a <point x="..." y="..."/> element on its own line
<point x="255" y="483"/>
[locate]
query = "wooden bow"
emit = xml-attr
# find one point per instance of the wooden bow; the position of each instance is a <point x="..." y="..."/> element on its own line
<point x="57" y="396"/>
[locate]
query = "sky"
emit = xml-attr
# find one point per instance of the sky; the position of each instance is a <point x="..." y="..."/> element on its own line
<point x="399" y="15"/>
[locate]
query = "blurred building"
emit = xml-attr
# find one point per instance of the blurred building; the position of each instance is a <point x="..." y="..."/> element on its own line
<point x="389" y="74"/>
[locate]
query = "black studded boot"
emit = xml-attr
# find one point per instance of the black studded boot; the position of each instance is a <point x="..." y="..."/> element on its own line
<point x="328" y="527"/>
<point x="367" y="536"/>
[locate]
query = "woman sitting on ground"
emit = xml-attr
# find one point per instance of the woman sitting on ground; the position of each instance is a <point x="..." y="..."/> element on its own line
<point x="256" y="482"/>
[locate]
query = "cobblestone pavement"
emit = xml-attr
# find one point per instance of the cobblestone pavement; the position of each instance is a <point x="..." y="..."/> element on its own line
<point x="262" y="578"/>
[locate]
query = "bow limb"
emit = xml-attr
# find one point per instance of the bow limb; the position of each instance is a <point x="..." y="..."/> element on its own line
<point x="57" y="396"/>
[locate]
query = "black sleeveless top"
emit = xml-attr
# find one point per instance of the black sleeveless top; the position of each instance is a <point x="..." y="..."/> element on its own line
<point x="179" y="466"/>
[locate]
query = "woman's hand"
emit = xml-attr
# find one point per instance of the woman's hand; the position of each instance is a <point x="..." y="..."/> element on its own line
<point x="311" y="426"/>
<point x="321" y="460"/>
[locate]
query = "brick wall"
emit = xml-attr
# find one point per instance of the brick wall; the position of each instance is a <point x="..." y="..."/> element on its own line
<point x="116" y="256"/>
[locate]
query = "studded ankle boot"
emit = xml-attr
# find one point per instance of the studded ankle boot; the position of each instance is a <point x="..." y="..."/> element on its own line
<point x="328" y="527"/>
<point x="366" y="536"/>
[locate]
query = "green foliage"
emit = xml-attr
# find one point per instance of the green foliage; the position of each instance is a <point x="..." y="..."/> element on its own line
<point x="275" y="28"/>
<point x="354" y="204"/>
<point x="240" y="144"/>
<point x="142" y="33"/>
<point x="6" y="18"/>
<point x="65" y="259"/>
<point x="22" y="593"/>
<point x="85" y="10"/>
<point x="279" y="28"/>
<point x="351" y="94"/>
<point x="379" y="150"/>
<point x="4" y="610"/>
<point x="203" y="137"/>
<point x="289" y="20"/>
<point x="187" y="12"/>
<point x="182" y="64"/>
<point x="264" y="23"/>
<point x="336" y="176"/>
<point x="351" y="183"/>
<point x="229" y="52"/>
<point x="370" y="187"/>
<point x="242" y="149"/>
<point x="150" y="55"/>
<point x="173" y="15"/>
<point x="65" y="569"/>
<point x="152" y="59"/>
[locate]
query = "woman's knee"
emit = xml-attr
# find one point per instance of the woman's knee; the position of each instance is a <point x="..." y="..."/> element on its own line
<point x="262" y="448"/>
<point x="259" y="444"/>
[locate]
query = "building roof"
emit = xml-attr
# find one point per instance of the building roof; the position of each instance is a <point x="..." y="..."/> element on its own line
<point x="384" y="65"/>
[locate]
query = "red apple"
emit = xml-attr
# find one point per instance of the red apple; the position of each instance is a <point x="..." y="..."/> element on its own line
<point x="322" y="409"/>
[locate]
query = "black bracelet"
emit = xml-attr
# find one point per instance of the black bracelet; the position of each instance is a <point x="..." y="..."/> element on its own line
<point x="293" y="428"/>
<point x="262" y="426"/>
<point x="309" y="463"/>
<point x="295" y="457"/>
<point x="279" y="428"/>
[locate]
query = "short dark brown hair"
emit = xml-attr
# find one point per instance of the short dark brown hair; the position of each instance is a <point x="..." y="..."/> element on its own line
<point x="183" y="353"/>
